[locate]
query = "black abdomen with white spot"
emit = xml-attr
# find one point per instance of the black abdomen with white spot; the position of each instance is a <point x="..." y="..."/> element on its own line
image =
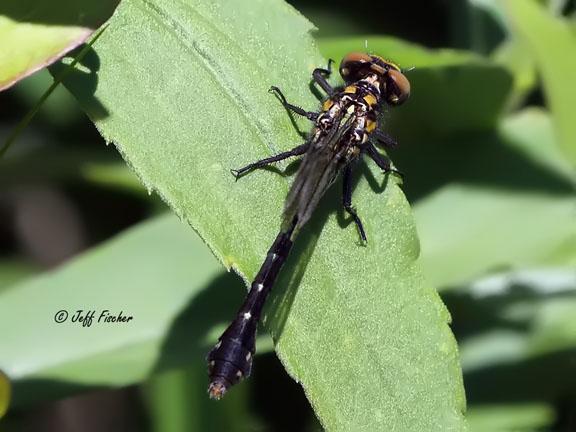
<point x="231" y="359"/>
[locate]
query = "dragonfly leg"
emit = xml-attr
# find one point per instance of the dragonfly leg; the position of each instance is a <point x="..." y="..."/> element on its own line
<point x="319" y="75"/>
<point x="347" y="200"/>
<point x="296" y="151"/>
<point x="382" y="161"/>
<point x="310" y="115"/>
<point x="384" y="139"/>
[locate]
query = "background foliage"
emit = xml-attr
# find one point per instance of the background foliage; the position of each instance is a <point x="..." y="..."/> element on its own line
<point x="488" y="146"/>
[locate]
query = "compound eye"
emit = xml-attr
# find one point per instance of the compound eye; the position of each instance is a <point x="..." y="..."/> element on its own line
<point x="398" y="87"/>
<point x="352" y="62"/>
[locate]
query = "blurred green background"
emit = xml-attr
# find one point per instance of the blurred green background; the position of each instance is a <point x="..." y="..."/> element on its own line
<point x="488" y="147"/>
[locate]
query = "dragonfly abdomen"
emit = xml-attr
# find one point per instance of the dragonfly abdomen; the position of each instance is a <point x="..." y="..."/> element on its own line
<point x="230" y="360"/>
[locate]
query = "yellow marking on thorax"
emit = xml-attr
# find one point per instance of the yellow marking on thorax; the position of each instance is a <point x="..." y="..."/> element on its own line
<point x="327" y="104"/>
<point x="350" y="89"/>
<point x="370" y="99"/>
<point x="371" y="125"/>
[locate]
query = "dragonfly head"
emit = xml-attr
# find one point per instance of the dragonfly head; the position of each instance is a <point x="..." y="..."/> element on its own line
<point x="393" y="83"/>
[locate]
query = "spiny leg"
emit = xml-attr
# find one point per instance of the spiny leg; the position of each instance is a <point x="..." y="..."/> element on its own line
<point x="319" y="75"/>
<point x="347" y="200"/>
<point x="384" y="139"/>
<point x="310" y="115"/>
<point x="296" y="151"/>
<point x="382" y="161"/>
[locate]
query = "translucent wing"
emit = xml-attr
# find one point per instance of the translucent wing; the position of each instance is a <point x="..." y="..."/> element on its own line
<point x="319" y="168"/>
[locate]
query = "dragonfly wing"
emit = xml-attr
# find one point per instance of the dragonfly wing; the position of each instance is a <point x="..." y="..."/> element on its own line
<point x="317" y="172"/>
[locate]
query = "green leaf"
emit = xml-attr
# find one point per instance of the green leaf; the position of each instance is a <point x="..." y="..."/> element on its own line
<point x="405" y="53"/>
<point x="506" y="418"/>
<point x="531" y="132"/>
<point x="514" y="325"/>
<point x="115" y="175"/>
<point x="502" y="187"/>
<point x="534" y="305"/>
<point x="553" y="45"/>
<point x="35" y="33"/>
<point x="485" y="229"/>
<point x="160" y="273"/>
<point x="181" y="89"/>
<point x="512" y="53"/>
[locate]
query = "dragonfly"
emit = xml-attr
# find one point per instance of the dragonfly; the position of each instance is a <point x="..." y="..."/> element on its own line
<point x="345" y="129"/>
